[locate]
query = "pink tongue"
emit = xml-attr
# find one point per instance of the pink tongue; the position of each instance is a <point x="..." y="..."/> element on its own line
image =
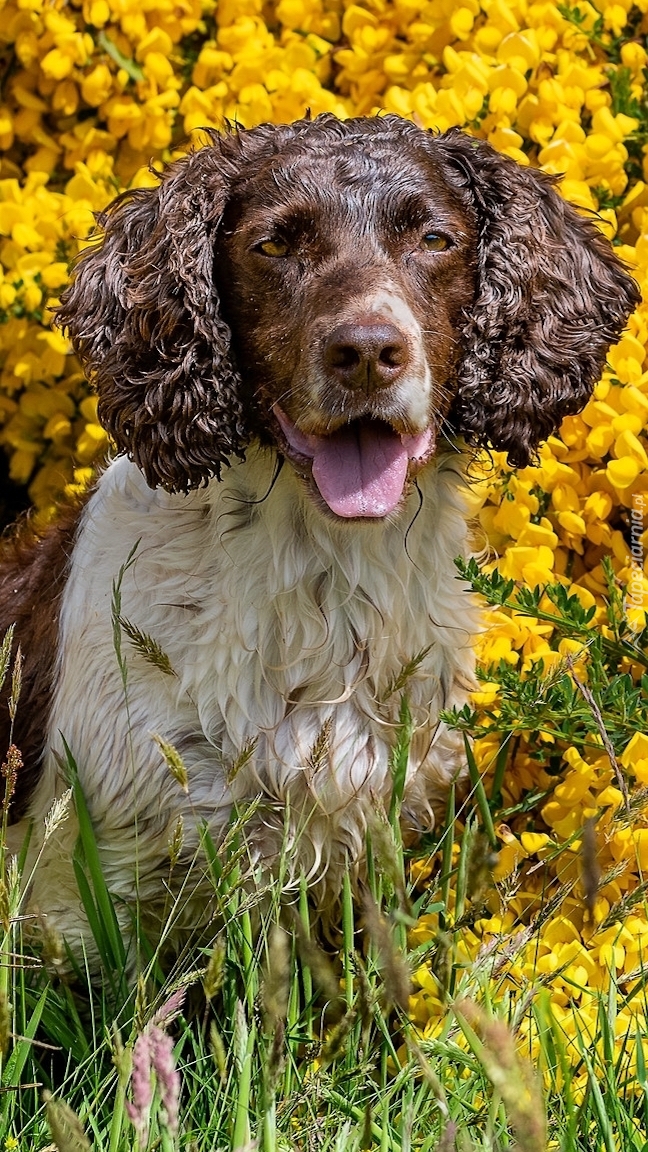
<point x="361" y="470"/>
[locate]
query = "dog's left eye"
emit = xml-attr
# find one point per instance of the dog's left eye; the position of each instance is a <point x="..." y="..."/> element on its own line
<point x="273" y="247"/>
<point x="432" y="242"/>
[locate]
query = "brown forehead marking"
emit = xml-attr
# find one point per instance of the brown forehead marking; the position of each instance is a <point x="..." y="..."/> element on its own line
<point x="348" y="182"/>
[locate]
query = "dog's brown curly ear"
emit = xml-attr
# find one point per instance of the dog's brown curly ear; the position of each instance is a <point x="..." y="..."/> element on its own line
<point x="551" y="298"/>
<point x="143" y="315"/>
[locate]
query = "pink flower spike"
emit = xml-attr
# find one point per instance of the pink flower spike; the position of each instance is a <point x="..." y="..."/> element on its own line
<point x="168" y="1077"/>
<point x="141" y="1087"/>
<point x="171" y="1008"/>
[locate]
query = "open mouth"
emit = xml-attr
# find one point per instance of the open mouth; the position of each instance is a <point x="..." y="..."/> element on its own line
<point x="361" y="469"/>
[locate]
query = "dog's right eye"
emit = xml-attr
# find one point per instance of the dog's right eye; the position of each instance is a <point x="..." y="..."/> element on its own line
<point x="433" y="242"/>
<point x="274" y="248"/>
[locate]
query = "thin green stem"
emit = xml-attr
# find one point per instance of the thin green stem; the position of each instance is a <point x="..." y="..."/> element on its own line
<point x="347" y="938"/>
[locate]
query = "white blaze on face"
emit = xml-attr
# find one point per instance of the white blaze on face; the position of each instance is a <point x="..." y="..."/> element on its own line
<point x="413" y="391"/>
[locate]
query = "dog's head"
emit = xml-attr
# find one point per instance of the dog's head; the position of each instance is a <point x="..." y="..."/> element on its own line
<point x="350" y="292"/>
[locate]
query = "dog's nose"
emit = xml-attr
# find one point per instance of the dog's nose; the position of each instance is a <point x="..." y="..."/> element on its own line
<point x="366" y="356"/>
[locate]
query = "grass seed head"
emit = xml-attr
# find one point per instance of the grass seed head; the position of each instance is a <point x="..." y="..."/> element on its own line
<point x="5" y="905"/>
<point x="64" y="1125"/>
<point x="141" y="1004"/>
<point x="52" y="948"/>
<point x="170" y="1009"/>
<point x="139" y="1107"/>
<point x="147" y="647"/>
<point x="448" y="1141"/>
<point x="336" y="1040"/>
<point x="174" y="762"/>
<point x="57" y="813"/>
<point x="215" y="973"/>
<point x="388" y="855"/>
<point x="590" y="868"/>
<point x="321" y="968"/>
<point x="167" y="1076"/>
<point x="217" y="1049"/>
<point x="481" y="862"/>
<point x="276" y="986"/>
<point x="10" y="769"/>
<point x="176" y="841"/>
<point x="5" y="653"/>
<point x="366" y="1002"/>
<point x="394" y="970"/>
<point x="319" y="753"/>
<point x="366" y="1139"/>
<point x="276" y="1058"/>
<point x="241" y="760"/>
<point x="16" y="684"/>
<point x="121" y="1057"/>
<point x="241" y="1033"/>
<point x="512" y="1077"/>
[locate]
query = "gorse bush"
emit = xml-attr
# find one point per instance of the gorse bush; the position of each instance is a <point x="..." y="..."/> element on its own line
<point x="560" y="749"/>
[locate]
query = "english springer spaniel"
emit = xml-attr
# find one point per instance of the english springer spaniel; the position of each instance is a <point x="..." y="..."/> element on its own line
<point x="297" y="340"/>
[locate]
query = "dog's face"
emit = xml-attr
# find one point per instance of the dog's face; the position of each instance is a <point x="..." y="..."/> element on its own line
<point x="349" y="292"/>
<point x="346" y="284"/>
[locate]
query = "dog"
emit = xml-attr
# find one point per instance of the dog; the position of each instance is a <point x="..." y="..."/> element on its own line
<point x="298" y="340"/>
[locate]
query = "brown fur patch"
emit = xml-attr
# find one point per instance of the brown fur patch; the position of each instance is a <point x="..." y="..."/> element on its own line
<point x="33" y="572"/>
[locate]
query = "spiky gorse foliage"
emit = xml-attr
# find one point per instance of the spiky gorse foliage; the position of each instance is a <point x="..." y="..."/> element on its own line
<point x="559" y="767"/>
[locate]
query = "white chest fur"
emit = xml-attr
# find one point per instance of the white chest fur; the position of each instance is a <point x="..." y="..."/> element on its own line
<point x="286" y="633"/>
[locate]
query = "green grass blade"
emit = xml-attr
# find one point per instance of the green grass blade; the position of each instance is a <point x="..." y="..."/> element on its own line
<point x="15" y="1064"/>
<point x="400" y="762"/>
<point x="480" y="794"/>
<point x="106" y="918"/>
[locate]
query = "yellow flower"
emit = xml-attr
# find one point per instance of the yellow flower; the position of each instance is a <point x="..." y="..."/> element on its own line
<point x="511" y="854"/>
<point x="485" y="695"/>
<point x="92" y="441"/>
<point x="532" y="565"/>
<point x="6" y="128"/>
<point x="621" y="473"/>
<point x="97" y="85"/>
<point x="635" y="751"/>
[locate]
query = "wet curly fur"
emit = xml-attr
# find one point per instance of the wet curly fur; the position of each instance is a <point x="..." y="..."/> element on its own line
<point x="146" y="318"/>
<point x="293" y="339"/>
